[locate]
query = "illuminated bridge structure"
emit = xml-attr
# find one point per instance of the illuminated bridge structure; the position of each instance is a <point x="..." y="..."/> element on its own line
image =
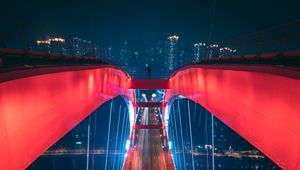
<point x="38" y="105"/>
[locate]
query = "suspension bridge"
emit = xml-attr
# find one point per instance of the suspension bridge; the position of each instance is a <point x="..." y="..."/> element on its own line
<point x="41" y="102"/>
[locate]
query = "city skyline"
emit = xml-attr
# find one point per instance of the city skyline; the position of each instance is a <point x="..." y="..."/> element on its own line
<point x="172" y="50"/>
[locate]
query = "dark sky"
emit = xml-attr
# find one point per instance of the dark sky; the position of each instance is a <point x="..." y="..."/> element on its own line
<point x="144" y="22"/>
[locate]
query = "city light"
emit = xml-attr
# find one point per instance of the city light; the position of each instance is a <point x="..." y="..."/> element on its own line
<point x="78" y="143"/>
<point x="173" y="38"/>
<point x="199" y="44"/>
<point x="227" y="49"/>
<point x="46" y="42"/>
<point x="207" y="146"/>
<point x="56" y="40"/>
<point x="144" y="97"/>
<point x="214" y="45"/>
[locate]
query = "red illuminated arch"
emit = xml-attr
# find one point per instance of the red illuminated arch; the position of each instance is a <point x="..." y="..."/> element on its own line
<point x="261" y="103"/>
<point x="37" y="107"/>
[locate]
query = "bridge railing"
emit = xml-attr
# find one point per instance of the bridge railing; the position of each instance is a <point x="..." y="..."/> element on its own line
<point x="20" y="59"/>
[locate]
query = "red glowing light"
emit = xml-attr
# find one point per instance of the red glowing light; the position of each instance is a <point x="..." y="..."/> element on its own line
<point x="38" y="110"/>
<point x="256" y="102"/>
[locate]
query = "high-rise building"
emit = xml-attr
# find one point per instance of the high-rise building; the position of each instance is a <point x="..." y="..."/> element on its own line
<point x="43" y="45"/>
<point x="199" y="51"/>
<point x="153" y="58"/>
<point x="125" y="54"/>
<point x="160" y="55"/>
<point x="184" y="57"/>
<point x="107" y="54"/>
<point x="171" y="52"/>
<point x="58" y="45"/>
<point x="74" y="46"/>
<point x="53" y="45"/>
<point x="80" y="47"/>
<point x="226" y="51"/>
<point x="213" y="51"/>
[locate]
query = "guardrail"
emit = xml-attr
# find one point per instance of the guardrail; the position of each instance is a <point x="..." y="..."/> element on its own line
<point x="10" y="57"/>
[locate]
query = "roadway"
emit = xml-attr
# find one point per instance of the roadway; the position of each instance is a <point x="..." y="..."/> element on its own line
<point x="148" y="152"/>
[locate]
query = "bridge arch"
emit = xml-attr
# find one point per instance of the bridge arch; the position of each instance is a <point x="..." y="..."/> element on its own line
<point x="37" y="107"/>
<point x="260" y="103"/>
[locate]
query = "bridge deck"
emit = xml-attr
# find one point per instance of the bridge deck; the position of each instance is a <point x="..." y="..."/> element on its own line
<point x="148" y="152"/>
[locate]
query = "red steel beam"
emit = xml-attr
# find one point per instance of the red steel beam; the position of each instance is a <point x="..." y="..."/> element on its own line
<point x="160" y="126"/>
<point x="149" y="84"/>
<point x="37" y="110"/>
<point x="149" y="104"/>
<point x="259" y="103"/>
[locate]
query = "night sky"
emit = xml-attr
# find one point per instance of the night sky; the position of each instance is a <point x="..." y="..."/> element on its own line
<point x="141" y="22"/>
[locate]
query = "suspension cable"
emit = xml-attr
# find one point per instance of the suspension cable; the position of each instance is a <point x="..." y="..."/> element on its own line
<point x="191" y="135"/>
<point x="212" y="142"/>
<point x="206" y="137"/>
<point x="108" y="134"/>
<point x="182" y="143"/>
<point x="126" y="125"/>
<point x="120" y="108"/>
<point x="88" y="144"/>
<point x="122" y="139"/>
<point x="211" y="27"/>
<point x="94" y="137"/>
<point x="172" y="136"/>
<point x="176" y="133"/>
<point x="212" y="21"/>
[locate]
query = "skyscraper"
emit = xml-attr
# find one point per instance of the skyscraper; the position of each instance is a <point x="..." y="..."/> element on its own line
<point x="199" y="51"/>
<point x="53" y="45"/>
<point x="160" y="55"/>
<point x="82" y="47"/>
<point x="43" y="45"/>
<point x="171" y="52"/>
<point x="74" y="46"/>
<point x="154" y="57"/>
<point x="124" y="54"/>
<point x="226" y="51"/>
<point x="213" y="51"/>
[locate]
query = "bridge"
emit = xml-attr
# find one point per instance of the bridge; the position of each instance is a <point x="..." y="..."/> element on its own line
<point x="43" y="99"/>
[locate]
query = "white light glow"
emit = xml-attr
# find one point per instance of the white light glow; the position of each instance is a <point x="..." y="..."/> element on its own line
<point x="57" y="39"/>
<point x="43" y="42"/>
<point x="127" y="146"/>
<point x="170" y="144"/>
<point x="131" y="115"/>
<point x="173" y="38"/>
<point x="78" y="143"/>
